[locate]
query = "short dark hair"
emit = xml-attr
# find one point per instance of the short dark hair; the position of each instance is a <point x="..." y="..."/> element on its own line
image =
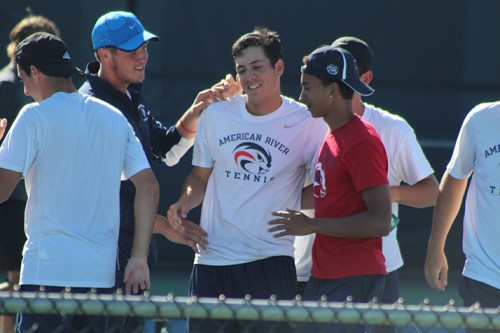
<point x="263" y="37"/>
<point x="345" y="91"/>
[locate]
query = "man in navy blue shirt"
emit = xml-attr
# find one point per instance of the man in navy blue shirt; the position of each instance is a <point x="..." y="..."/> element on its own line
<point x="120" y="44"/>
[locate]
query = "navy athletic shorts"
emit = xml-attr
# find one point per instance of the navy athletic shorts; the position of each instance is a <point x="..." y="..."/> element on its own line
<point x="472" y="291"/>
<point x="260" y="279"/>
<point x="45" y="323"/>
<point x="362" y="289"/>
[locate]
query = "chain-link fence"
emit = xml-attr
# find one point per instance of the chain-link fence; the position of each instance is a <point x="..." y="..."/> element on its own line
<point x="243" y="315"/>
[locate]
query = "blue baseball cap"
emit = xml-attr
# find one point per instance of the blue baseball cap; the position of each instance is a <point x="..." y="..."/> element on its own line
<point x="336" y="64"/>
<point x="120" y="29"/>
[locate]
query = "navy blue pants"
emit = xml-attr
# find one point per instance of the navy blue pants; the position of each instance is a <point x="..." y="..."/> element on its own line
<point x="260" y="279"/>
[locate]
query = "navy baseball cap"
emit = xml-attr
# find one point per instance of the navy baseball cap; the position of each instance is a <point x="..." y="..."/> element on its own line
<point x="120" y="29"/>
<point x="47" y="52"/>
<point x="359" y="50"/>
<point x="336" y="64"/>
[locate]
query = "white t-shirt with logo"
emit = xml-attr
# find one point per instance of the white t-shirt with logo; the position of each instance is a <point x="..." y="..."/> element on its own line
<point x="259" y="166"/>
<point x="407" y="163"/>
<point x="477" y="152"/>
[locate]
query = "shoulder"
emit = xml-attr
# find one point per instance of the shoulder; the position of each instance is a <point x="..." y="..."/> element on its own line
<point x="386" y="122"/>
<point x="485" y="108"/>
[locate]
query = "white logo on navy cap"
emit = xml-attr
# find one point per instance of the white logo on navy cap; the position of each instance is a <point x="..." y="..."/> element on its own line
<point x="332" y="69"/>
<point x="66" y="56"/>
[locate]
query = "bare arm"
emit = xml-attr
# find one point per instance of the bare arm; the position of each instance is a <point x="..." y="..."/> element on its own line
<point x="307" y="199"/>
<point x="419" y="195"/>
<point x="145" y="207"/>
<point x="192" y="236"/>
<point x="374" y="222"/>
<point x="3" y="125"/>
<point x="451" y="193"/>
<point x="8" y="181"/>
<point x="187" y="124"/>
<point x="192" y="194"/>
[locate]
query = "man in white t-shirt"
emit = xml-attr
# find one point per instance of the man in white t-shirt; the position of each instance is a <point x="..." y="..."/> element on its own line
<point x="476" y="156"/>
<point x="250" y="158"/>
<point x="72" y="149"/>
<point x="411" y="178"/>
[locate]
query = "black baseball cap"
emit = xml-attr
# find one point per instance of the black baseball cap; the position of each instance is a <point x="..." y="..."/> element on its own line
<point x="359" y="49"/>
<point x="47" y="52"/>
<point x="336" y="64"/>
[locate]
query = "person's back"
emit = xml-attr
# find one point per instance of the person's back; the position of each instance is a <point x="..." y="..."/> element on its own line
<point x="73" y="151"/>
<point x="72" y="204"/>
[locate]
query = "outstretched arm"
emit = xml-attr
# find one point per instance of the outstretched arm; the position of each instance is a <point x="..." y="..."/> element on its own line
<point x="449" y="200"/>
<point x="419" y="195"/>
<point x="145" y="207"/>
<point x="222" y="90"/>
<point x="192" y="194"/>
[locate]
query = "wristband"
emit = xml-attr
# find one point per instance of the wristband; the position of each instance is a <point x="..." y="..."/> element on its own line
<point x="184" y="128"/>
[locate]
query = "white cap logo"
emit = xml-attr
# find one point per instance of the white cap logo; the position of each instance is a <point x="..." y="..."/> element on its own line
<point x="332" y="69"/>
<point x="66" y="56"/>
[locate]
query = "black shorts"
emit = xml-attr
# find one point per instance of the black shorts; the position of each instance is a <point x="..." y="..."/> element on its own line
<point x="473" y="291"/>
<point x="260" y="279"/>
<point x="12" y="237"/>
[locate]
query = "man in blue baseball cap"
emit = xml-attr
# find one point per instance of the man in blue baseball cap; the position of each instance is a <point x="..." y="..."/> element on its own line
<point x="120" y="44"/>
<point x="122" y="30"/>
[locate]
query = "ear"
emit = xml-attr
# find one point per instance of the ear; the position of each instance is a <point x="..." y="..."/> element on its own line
<point x="34" y="71"/>
<point x="334" y="88"/>
<point x="103" y="53"/>
<point x="279" y="67"/>
<point x="367" y="77"/>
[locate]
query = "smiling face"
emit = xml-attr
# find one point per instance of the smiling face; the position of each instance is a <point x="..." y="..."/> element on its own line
<point x="315" y="95"/>
<point x="122" y="68"/>
<point x="260" y="81"/>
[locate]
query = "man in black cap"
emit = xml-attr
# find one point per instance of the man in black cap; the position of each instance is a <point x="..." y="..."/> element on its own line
<point x="411" y="177"/>
<point x="72" y="149"/>
<point x="351" y="192"/>
<point x="12" y="237"/>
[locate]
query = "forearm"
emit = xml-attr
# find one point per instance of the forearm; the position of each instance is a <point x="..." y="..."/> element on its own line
<point x="187" y="123"/>
<point x="8" y="181"/>
<point x="362" y="225"/>
<point x="420" y="195"/>
<point x="145" y="208"/>
<point x="307" y="199"/>
<point x="193" y="190"/>
<point x="448" y="204"/>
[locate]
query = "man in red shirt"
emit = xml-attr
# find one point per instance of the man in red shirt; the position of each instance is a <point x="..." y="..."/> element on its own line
<point x="351" y="193"/>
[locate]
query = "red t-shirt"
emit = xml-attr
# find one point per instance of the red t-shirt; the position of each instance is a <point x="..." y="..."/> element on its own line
<point x="352" y="159"/>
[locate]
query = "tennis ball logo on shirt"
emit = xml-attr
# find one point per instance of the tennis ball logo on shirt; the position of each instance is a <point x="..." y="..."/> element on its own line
<point x="252" y="158"/>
